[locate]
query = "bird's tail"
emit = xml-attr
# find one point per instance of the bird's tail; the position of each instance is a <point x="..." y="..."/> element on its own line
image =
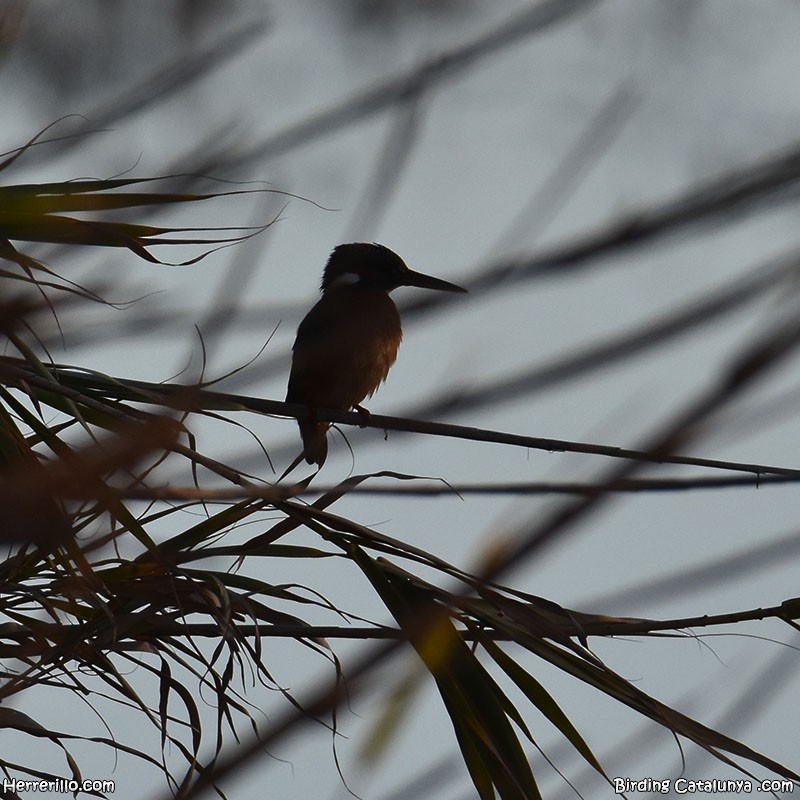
<point x="315" y="440"/>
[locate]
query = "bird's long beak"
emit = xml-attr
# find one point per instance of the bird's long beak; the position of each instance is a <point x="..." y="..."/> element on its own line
<point x="423" y="281"/>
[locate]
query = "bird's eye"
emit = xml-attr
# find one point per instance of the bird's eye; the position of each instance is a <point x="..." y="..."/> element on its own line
<point x="346" y="279"/>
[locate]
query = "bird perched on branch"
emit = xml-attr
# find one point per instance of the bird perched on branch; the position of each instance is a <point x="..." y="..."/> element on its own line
<point x="347" y="343"/>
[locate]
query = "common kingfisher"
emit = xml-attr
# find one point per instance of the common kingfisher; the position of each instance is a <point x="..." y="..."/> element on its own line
<point x="347" y="343"/>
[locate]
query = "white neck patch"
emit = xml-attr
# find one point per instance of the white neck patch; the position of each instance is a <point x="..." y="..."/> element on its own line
<point x="346" y="279"/>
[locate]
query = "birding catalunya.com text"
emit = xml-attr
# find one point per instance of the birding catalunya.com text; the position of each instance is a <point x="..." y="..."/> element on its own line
<point x="630" y="786"/>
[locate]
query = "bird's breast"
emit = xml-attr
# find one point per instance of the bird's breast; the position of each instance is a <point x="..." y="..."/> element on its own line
<point x="344" y="348"/>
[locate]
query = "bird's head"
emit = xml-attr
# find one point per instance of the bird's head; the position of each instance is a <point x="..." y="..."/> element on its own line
<point x="373" y="266"/>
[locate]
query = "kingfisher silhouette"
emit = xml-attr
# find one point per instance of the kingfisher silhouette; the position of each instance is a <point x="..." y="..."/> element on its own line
<point x="347" y="343"/>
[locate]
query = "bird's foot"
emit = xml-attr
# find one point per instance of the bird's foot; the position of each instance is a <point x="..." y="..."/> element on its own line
<point x="363" y="414"/>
